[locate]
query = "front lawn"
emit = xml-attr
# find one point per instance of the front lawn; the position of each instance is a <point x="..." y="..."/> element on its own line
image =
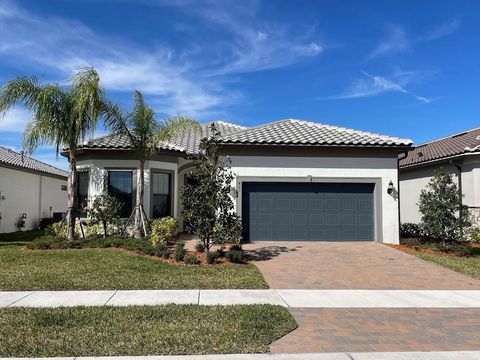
<point x="463" y="258"/>
<point x="95" y="269"/>
<point x="141" y="330"/>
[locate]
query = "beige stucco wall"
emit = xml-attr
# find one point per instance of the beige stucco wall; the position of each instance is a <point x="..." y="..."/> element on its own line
<point x="412" y="181"/>
<point x="24" y="192"/>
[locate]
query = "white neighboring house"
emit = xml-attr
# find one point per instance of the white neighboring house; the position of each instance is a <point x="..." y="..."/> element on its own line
<point x="459" y="155"/>
<point x="294" y="179"/>
<point x="29" y="189"/>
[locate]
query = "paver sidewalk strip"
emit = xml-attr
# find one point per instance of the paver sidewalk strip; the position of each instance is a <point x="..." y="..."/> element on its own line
<point x="8" y="298"/>
<point x="153" y="297"/>
<point x="414" y="355"/>
<point x="240" y="297"/>
<point x="65" y="298"/>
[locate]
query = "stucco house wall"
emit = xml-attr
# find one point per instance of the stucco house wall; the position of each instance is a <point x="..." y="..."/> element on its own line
<point x="30" y="193"/>
<point x="414" y="180"/>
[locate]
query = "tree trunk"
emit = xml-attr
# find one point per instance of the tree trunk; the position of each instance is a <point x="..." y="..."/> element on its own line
<point x="139" y="201"/>
<point x="71" y="193"/>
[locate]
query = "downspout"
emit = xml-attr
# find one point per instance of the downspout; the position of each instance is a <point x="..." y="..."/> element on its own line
<point x="460" y="193"/>
<point x="403" y="156"/>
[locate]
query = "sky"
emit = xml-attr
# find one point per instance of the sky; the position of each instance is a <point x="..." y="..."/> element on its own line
<point x="404" y="68"/>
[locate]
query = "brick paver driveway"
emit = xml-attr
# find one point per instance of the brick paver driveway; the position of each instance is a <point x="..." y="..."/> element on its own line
<point x="349" y="265"/>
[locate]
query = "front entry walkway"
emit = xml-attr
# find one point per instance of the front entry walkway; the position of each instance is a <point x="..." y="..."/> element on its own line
<point x="350" y="265"/>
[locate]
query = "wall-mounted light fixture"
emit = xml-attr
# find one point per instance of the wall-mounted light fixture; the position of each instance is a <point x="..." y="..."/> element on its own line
<point x="390" y="188"/>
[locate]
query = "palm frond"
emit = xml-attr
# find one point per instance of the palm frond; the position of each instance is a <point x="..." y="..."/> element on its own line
<point x="21" y="90"/>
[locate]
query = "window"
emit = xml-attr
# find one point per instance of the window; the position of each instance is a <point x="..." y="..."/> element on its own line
<point x="161" y="195"/>
<point x="120" y="185"/>
<point x="82" y="192"/>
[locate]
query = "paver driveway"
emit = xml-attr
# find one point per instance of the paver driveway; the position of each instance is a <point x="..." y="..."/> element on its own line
<point x="350" y="265"/>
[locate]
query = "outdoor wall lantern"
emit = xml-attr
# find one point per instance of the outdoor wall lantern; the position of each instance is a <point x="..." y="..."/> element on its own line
<point x="390" y="188"/>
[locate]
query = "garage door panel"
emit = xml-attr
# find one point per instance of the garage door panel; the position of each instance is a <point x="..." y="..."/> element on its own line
<point x="308" y="211"/>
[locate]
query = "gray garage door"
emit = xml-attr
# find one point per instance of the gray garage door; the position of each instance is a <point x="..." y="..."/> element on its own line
<point x="307" y="211"/>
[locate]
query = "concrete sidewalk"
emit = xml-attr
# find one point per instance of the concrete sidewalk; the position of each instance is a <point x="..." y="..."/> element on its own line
<point x="286" y="298"/>
<point x="434" y="355"/>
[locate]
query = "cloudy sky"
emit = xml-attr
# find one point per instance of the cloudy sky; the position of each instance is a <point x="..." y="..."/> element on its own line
<point x="409" y="68"/>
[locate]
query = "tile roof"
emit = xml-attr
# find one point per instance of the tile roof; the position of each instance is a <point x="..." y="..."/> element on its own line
<point x="454" y="145"/>
<point x="299" y="132"/>
<point x="283" y="132"/>
<point x="187" y="142"/>
<point x="13" y="158"/>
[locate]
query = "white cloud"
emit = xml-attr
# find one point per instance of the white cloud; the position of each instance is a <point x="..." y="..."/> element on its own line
<point x="395" y="42"/>
<point x="443" y="30"/>
<point x="14" y="120"/>
<point x="190" y="82"/>
<point x="372" y="85"/>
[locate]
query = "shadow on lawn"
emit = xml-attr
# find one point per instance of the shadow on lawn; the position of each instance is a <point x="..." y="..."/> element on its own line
<point x="268" y="252"/>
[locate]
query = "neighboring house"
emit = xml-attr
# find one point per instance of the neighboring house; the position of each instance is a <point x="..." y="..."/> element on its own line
<point x="458" y="154"/>
<point x="29" y="190"/>
<point x="295" y="180"/>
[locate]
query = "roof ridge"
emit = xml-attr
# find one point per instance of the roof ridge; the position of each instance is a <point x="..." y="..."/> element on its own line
<point x="225" y="123"/>
<point x="448" y="136"/>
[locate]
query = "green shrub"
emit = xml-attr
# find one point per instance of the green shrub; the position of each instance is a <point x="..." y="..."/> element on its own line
<point x="179" y="251"/>
<point x="105" y="210"/>
<point x="163" y="230"/>
<point x="236" y="247"/>
<point x="228" y="229"/>
<point x="161" y="249"/>
<point x="474" y="234"/>
<point x="44" y="223"/>
<point x="220" y="252"/>
<point x="199" y="247"/>
<point x="411" y="229"/>
<point x="235" y="256"/>
<point x="192" y="260"/>
<point x="212" y="257"/>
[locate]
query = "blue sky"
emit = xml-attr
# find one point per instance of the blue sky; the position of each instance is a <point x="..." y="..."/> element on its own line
<point x="409" y="69"/>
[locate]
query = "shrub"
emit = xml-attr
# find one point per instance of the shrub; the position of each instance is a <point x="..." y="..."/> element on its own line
<point x="163" y="230"/>
<point x="192" y="260"/>
<point x="235" y="256"/>
<point x="411" y="229"/>
<point x="44" y="223"/>
<point x="161" y="249"/>
<point x="220" y="252"/>
<point x="105" y="210"/>
<point x="199" y="247"/>
<point x="212" y="257"/>
<point x="474" y="234"/>
<point x="228" y="229"/>
<point x="179" y="251"/>
<point x="236" y="247"/>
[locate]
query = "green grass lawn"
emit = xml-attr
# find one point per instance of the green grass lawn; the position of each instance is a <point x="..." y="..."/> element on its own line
<point x="466" y="265"/>
<point x="141" y="330"/>
<point x="94" y="269"/>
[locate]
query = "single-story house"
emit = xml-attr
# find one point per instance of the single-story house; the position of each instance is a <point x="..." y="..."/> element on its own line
<point x="294" y="179"/>
<point x="458" y="154"/>
<point x="29" y="190"/>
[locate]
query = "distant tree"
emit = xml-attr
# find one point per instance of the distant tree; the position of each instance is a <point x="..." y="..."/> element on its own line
<point x="62" y="116"/>
<point x="207" y="203"/>
<point x="145" y="134"/>
<point x="443" y="215"/>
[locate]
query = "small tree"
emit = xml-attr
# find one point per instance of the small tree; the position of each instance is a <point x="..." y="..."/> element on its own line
<point x="443" y="215"/>
<point x="106" y="210"/>
<point x="207" y="204"/>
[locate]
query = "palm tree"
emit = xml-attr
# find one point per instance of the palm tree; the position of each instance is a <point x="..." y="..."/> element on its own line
<point x="145" y="134"/>
<point x="62" y="116"/>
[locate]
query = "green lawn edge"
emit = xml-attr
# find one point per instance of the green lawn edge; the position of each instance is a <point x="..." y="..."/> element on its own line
<point x="141" y="330"/>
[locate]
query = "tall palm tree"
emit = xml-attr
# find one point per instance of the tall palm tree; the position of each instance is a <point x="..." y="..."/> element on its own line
<point x="145" y="134"/>
<point x="62" y="116"/>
